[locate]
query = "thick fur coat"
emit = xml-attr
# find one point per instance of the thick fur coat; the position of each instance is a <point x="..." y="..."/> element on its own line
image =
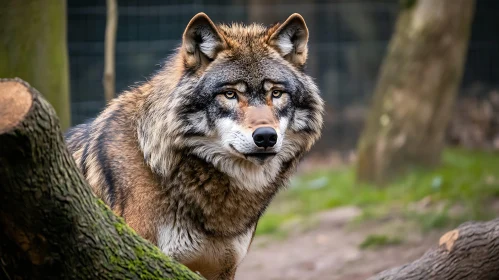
<point x="179" y="157"/>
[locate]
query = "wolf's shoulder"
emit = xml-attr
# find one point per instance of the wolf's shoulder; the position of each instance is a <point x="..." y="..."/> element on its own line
<point x="78" y="135"/>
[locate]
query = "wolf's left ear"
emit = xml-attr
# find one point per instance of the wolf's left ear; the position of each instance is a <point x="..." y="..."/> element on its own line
<point x="201" y="41"/>
<point x="290" y="39"/>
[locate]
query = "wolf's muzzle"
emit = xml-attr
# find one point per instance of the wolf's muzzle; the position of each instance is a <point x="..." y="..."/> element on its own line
<point x="265" y="137"/>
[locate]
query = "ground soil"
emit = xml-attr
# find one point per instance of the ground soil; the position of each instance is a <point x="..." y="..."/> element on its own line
<point x="330" y="250"/>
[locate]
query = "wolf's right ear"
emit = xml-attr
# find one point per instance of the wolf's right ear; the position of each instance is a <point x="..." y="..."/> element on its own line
<point x="290" y="39"/>
<point x="201" y="41"/>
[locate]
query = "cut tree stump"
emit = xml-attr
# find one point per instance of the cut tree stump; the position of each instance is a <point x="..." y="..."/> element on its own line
<point x="51" y="225"/>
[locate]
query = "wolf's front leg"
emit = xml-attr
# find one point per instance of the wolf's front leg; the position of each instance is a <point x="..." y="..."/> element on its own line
<point x="229" y="274"/>
<point x="213" y="267"/>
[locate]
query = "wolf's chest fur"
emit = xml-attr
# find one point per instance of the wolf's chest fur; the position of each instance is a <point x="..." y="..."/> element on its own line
<point x="211" y="201"/>
<point x="203" y="252"/>
<point x="208" y="222"/>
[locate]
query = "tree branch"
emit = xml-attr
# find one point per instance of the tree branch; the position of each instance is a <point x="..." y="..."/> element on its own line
<point x="51" y="225"/>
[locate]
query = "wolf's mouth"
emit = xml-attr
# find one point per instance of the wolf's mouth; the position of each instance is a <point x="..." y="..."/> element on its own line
<point x="260" y="156"/>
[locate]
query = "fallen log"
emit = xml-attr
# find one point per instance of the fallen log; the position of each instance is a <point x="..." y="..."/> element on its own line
<point x="469" y="252"/>
<point x="51" y="225"/>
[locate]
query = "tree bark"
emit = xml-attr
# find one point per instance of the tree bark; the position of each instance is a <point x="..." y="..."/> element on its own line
<point x="33" y="47"/>
<point x="110" y="50"/>
<point x="469" y="252"/>
<point x="51" y="225"/>
<point x="416" y="89"/>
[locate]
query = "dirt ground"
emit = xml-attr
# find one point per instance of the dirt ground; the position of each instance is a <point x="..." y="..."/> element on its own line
<point x="331" y="250"/>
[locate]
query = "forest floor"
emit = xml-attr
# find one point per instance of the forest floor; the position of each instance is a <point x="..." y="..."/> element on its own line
<point x="333" y="249"/>
<point x="328" y="226"/>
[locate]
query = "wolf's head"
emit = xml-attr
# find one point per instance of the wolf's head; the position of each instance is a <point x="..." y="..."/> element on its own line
<point x="235" y="96"/>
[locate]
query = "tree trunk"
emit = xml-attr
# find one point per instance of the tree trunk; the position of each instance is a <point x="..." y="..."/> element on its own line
<point x="416" y="88"/>
<point x="469" y="252"/>
<point x="110" y="50"/>
<point x="51" y="225"/>
<point x="33" y="47"/>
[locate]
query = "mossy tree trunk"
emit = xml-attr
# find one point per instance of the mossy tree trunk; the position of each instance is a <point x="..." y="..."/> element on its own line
<point x="51" y="225"/>
<point x="416" y="88"/>
<point x="33" y="47"/>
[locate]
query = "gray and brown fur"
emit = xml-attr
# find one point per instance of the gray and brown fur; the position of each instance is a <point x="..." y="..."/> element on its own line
<point x="172" y="156"/>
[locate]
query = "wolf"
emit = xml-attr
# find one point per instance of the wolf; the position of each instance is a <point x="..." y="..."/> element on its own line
<point x="192" y="157"/>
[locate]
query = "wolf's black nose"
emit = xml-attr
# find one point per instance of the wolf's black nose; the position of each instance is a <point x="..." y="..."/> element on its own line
<point x="265" y="137"/>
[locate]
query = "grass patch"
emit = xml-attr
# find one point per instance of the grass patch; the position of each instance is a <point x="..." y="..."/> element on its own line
<point x="270" y="224"/>
<point x="379" y="240"/>
<point x="466" y="178"/>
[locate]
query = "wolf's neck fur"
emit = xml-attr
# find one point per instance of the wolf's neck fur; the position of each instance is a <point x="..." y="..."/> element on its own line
<point x="212" y="201"/>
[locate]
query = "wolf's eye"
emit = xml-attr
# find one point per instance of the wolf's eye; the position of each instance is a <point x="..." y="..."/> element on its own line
<point x="230" y="95"/>
<point x="276" y="94"/>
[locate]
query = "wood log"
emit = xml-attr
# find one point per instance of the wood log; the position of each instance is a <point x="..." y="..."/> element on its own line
<point x="51" y="224"/>
<point x="469" y="252"/>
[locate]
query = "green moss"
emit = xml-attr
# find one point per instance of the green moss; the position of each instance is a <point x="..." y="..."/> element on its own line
<point x="122" y="228"/>
<point x="119" y="228"/>
<point x="103" y="205"/>
<point x="145" y="255"/>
